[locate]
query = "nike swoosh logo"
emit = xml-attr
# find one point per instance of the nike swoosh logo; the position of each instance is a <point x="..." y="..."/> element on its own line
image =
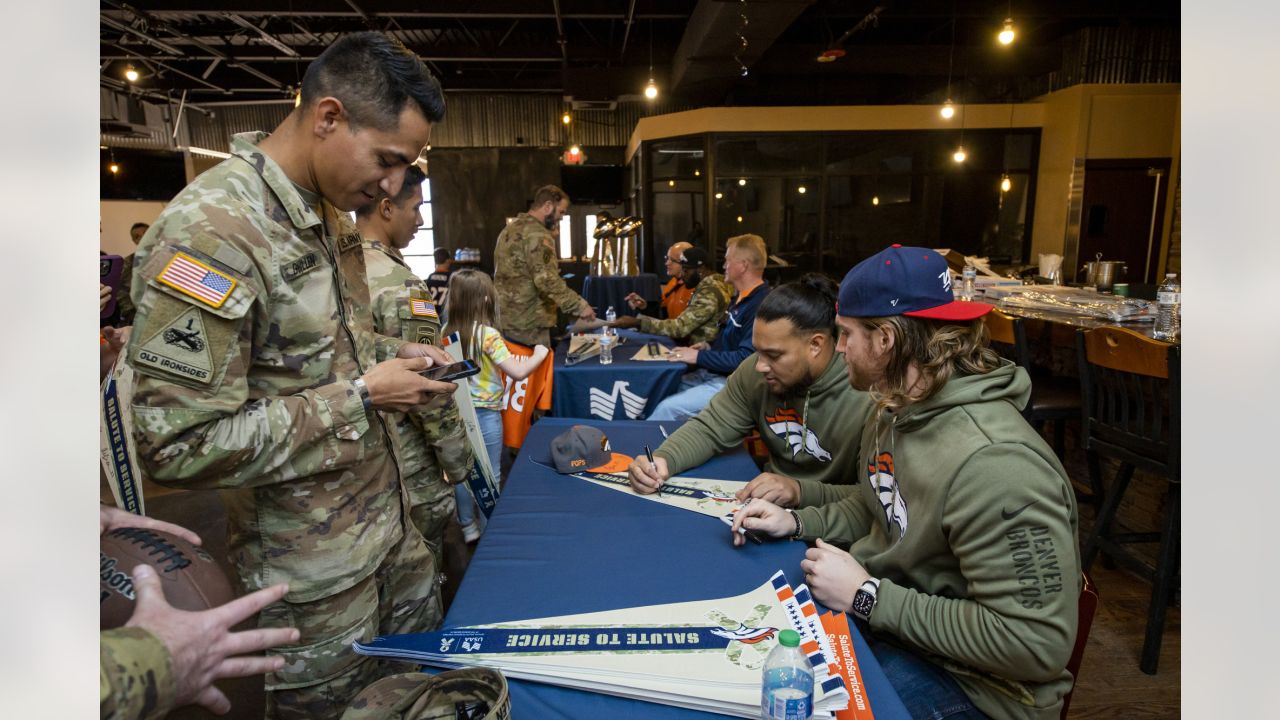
<point x="1011" y="515"/>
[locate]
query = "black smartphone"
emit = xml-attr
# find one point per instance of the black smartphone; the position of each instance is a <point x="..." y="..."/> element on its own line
<point x="449" y="373"/>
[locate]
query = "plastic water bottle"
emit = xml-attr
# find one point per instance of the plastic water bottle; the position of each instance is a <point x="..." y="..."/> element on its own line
<point x="787" y="690"/>
<point x="1168" y="309"/>
<point x="968" y="277"/>
<point x="608" y="336"/>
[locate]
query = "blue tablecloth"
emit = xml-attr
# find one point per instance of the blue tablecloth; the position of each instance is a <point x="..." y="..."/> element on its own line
<point x="605" y="290"/>
<point x="556" y="545"/>
<point x="626" y="389"/>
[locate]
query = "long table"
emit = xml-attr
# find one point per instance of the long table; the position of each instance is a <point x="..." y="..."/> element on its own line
<point x="557" y="545"/>
<point x="624" y="389"/>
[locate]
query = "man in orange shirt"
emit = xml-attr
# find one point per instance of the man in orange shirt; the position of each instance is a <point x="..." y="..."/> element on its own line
<point x="675" y="295"/>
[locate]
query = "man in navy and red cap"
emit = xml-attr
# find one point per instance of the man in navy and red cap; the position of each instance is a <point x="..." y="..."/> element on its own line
<point x="961" y="528"/>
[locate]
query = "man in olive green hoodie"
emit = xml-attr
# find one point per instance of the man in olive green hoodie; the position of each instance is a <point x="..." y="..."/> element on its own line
<point x="793" y="391"/>
<point x="963" y="558"/>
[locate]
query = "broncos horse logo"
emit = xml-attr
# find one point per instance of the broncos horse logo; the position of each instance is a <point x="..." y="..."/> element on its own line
<point x="744" y="634"/>
<point x="785" y="423"/>
<point x="885" y="485"/>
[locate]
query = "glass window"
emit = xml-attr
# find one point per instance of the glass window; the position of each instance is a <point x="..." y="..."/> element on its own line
<point x="768" y="154"/>
<point x="566" y="237"/>
<point x="419" y="255"/>
<point x="677" y="158"/>
<point x="591" y="236"/>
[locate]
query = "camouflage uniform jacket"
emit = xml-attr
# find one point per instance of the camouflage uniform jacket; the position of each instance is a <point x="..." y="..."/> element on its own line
<point x="432" y="438"/>
<point x="701" y="319"/>
<point x="245" y="376"/>
<point x="528" y="279"/>
<point x="135" y="675"/>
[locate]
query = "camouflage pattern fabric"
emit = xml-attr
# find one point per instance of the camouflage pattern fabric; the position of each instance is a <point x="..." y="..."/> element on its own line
<point x="419" y="696"/>
<point x="135" y="676"/>
<point x="433" y="441"/>
<point x="253" y="319"/>
<point x="401" y="597"/>
<point x="700" y="321"/>
<point x="528" y="280"/>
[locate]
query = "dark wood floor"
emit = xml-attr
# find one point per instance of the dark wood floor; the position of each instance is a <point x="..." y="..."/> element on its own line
<point x="1110" y="684"/>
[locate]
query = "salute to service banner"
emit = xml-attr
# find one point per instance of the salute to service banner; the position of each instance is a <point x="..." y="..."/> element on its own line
<point x="705" y="654"/>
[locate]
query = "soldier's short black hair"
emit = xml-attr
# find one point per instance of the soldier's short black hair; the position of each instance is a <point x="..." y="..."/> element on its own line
<point x="809" y="303"/>
<point x="137" y="225"/>
<point x="374" y="76"/>
<point x="442" y="255"/>
<point x="547" y="194"/>
<point x="413" y="178"/>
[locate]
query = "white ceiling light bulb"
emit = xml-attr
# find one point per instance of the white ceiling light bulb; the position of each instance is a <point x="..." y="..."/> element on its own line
<point x="566" y="118"/>
<point x="1006" y="33"/>
<point x="651" y="90"/>
<point x="948" y="110"/>
<point x="875" y="199"/>
<point x="1006" y="184"/>
<point x="960" y="154"/>
<point x="742" y="181"/>
<point x="739" y="218"/>
<point x="802" y="189"/>
<point x="719" y="196"/>
<point x="131" y="74"/>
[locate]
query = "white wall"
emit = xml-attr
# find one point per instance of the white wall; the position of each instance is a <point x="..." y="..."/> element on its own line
<point x="118" y="216"/>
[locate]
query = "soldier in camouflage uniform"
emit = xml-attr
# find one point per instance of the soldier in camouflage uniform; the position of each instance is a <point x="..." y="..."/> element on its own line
<point x="257" y="370"/>
<point x="433" y="443"/>
<point x="527" y="275"/>
<point x="701" y="319"/>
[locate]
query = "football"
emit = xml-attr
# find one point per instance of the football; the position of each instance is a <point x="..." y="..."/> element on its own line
<point x="191" y="578"/>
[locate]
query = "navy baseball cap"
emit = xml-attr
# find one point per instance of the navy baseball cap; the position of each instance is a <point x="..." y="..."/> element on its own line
<point x="910" y="281"/>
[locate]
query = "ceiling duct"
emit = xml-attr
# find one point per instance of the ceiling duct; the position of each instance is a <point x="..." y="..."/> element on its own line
<point x="704" y="65"/>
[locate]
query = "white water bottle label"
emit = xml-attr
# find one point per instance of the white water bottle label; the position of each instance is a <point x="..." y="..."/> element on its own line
<point x="789" y="704"/>
<point x="1168" y="298"/>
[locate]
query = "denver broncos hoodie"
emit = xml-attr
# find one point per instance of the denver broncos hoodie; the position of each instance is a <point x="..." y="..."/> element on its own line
<point x="817" y="445"/>
<point x="969" y="521"/>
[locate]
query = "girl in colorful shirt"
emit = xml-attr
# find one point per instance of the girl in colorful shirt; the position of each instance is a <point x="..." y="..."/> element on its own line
<point x="473" y="314"/>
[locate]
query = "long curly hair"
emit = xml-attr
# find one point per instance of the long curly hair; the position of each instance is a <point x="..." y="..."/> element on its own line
<point x="937" y="348"/>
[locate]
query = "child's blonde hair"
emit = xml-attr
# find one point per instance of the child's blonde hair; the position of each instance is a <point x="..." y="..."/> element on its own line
<point x="472" y="303"/>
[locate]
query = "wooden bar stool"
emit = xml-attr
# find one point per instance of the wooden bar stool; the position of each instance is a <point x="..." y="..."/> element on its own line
<point x="1053" y="400"/>
<point x="1132" y="413"/>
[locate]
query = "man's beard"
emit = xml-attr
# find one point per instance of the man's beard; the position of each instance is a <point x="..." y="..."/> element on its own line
<point x="691" y="284"/>
<point x="550" y="222"/>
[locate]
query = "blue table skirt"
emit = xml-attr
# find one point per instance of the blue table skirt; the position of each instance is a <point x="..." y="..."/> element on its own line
<point x="605" y="290"/>
<point x="556" y="545"/>
<point x="621" y="388"/>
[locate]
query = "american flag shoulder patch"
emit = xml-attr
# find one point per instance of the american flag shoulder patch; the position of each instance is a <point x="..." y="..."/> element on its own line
<point x="423" y="308"/>
<point x="195" y="279"/>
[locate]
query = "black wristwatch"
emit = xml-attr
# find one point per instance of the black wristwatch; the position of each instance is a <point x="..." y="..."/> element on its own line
<point x="864" y="601"/>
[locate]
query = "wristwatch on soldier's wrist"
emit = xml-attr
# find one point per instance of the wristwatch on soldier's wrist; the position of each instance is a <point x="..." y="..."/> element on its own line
<point x="864" y="601"/>
<point x="364" y="393"/>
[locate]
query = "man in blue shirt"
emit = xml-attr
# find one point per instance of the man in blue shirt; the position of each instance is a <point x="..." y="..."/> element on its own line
<point x="744" y="261"/>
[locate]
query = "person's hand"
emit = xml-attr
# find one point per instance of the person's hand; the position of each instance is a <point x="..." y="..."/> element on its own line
<point x="413" y="350"/>
<point x="777" y="489"/>
<point x="626" y="321"/>
<point x="833" y="575"/>
<point x="104" y="296"/>
<point x="686" y="355"/>
<point x="111" y="518"/>
<point x="588" y="313"/>
<point x="114" y="341"/>
<point x="704" y="345"/>
<point x="762" y="516"/>
<point x="202" y="647"/>
<point x="645" y="478"/>
<point x="636" y="302"/>
<point x="395" y="385"/>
